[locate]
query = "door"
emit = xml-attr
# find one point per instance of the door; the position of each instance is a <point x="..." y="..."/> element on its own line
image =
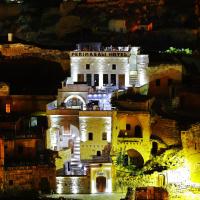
<point x="121" y="80"/>
<point x="101" y="183"/>
<point x="80" y="77"/>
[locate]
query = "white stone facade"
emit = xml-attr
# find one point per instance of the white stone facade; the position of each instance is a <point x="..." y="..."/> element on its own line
<point x="121" y="67"/>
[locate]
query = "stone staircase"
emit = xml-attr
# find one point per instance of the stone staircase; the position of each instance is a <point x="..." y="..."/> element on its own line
<point x="133" y="79"/>
<point x="75" y="158"/>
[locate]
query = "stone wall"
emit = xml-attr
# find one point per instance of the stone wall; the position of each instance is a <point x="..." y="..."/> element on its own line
<point x="29" y="177"/>
<point x="21" y="50"/>
<point x="73" y="184"/>
<point x="97" y="123"/>
<point x="166" y="130"/>
<point x="134" y="119"/>
<point x="191" y="147"/>
<point x="164" y="73"/>
<point x="26" y="103"/>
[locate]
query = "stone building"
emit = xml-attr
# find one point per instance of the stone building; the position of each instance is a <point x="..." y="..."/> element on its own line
<point x="117" y="67"/>
<point x="24" y="166"/>
<point x="164" y="79"/>
<point x="25" y="163"/>
<point x="84" y="129"/>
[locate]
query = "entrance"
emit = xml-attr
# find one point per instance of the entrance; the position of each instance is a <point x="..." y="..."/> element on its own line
<point x="101" y="183"/>
<point x="121" y="80"/>
<point x="80" y="77"/>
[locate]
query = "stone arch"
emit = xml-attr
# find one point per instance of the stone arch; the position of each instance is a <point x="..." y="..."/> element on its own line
<point x="78" y="102"/>
<point x="135" y="158"/>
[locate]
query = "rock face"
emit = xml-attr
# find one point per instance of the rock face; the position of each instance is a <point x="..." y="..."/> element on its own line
<point x="166" y="130"/>
<point x="9" y="10"/>
<point x="20" y="50"/>
<point x="191" y="147"/>
<point x="34" y="70"/>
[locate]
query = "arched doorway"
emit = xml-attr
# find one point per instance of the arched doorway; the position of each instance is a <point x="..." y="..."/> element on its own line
<point x="135" y="158"/>
<point x="75" y="102"/>
<point x="101" y="184"/>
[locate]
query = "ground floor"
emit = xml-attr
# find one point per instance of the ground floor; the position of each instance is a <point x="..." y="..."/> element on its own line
<point x="118" y="196"/>
<point x="102" y="196"/>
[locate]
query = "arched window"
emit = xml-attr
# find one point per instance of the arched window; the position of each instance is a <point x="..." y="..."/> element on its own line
<point x="104" y="136"/>
<point x="90" y="136"/>
<point x="138" y="131"/>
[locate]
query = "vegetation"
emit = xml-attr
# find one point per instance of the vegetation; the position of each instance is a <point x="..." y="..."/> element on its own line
<point x="173" y="50"/>
<point x="134" y="177"/>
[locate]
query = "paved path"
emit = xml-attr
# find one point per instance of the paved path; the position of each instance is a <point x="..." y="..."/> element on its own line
<point x="112" y="196"/>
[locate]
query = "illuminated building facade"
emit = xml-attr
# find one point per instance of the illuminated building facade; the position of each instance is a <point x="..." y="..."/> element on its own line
<point x="119" y="67"/>
<point x="88" y="133"/>
<point x="83" y="127"/>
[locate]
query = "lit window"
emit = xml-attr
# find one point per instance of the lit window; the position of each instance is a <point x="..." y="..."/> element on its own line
<point x="104" y="136"/>
<point x="7" y="108"/>
<point x="113" y="66"/>
<point x="33" y="121"/>
<point x="90" y="136"/>
<point x="87" y="66"/>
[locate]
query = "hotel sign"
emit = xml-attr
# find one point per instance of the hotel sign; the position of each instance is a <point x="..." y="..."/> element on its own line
<point x="99" y="54"/>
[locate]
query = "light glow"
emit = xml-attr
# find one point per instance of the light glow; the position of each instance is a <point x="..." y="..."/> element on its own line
<point x="180" y="175"/>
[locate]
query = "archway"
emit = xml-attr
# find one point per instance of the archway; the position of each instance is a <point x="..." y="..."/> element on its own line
<point x="75" y="102"/>
<point x="135" y="158"/>
<point x="101" y="184"/>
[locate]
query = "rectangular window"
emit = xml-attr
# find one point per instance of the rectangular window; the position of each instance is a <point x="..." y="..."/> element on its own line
<point x="89" y="79"/>
<point x="113" y="79"/>
<point x="33" y="121"/>
<point x="128" y="127"/>
<point x="105" y="79"/>
<point x="113" y="66"/>
<point x="68" y="166"/>
<point x="96" y="79"/>
<point x="87" y="66"/>
<point x="157" y="82"/>
<point x="80" y="77"/>
<point x="7" y="108"/>
<point x="104" y="136"/>
<point x="90" y="136"/>
<point x="98" y="153"/>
